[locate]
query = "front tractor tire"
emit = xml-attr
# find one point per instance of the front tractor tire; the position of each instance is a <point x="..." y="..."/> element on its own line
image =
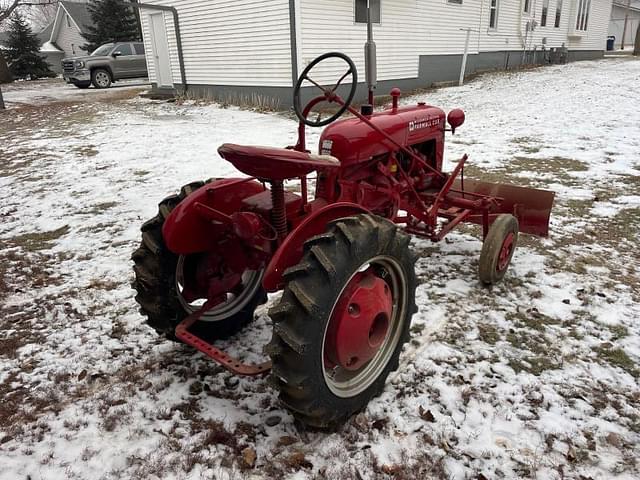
<point x="158" y="274"/>
<point x="343" y="319"/>
<point x="498" y="248"/>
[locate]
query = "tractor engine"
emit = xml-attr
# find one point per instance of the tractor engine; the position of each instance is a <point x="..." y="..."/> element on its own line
<point x="372" y="167"/>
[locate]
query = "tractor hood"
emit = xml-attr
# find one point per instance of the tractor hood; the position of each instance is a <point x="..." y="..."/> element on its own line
<point x="352" y="140"/>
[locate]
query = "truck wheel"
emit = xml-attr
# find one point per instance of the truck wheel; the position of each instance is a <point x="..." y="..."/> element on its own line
<point x="498" y="248"/>
<point x="160" y="283"/>
<point x="101" y="78"/>
<point x="82" y="85"/>
<point x="342" y="320"/>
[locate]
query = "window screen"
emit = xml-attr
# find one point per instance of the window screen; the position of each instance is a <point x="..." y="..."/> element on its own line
<point x="545" y="12"/>
<point x="558" y="14"/>
<point x="493" y="14"/>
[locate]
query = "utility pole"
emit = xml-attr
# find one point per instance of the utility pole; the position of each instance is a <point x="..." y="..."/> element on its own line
<point x="624" y="29"/>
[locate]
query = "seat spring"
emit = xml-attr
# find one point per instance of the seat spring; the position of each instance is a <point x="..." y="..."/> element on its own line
<point x="278" y="214"/>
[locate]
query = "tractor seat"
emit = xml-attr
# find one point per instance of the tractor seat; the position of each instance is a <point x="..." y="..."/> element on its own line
<point x="275" y="163"/>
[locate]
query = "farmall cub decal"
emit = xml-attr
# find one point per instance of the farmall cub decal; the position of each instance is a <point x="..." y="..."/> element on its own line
<point x="421" y="123"/>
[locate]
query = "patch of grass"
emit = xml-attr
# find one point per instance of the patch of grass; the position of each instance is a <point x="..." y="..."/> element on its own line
<point x="86" y="151"/>
<point x="531" y="318"/>
<point x="617" y="357"/>
<point x="100" y="208"/>
<point x="535" y="365"/>
<point x="618" y="332"/>
<point x="32" y="242"/>
<point x="488" y="333"/>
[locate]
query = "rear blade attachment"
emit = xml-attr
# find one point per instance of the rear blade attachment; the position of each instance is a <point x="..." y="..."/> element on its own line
<point x="531" y="206"/>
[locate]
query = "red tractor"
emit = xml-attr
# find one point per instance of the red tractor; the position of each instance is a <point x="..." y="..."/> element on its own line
<point x="342" y="259"/>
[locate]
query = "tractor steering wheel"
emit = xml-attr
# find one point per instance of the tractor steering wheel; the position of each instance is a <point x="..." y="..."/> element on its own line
<point x="328" y="93"/>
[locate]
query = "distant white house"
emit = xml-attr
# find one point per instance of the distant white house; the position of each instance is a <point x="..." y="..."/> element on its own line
<point x="616" y="28"/>
<point x="65" y="34"/>
<point x="260" y="46"/>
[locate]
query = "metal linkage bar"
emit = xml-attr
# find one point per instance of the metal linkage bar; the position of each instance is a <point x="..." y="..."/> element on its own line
<point x="227" y="361"/>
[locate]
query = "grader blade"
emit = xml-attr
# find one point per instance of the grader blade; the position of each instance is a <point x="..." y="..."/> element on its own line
<point x="531" y="206"/>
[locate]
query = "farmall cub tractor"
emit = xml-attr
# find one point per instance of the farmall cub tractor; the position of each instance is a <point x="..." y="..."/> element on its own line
<point x="342" y="259"/>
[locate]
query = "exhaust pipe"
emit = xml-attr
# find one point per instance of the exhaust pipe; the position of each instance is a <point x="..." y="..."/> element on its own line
<point x="370" y="57"/>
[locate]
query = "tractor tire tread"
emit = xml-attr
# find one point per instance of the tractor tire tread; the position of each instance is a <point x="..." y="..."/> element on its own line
<point x="154" y="269"/>
<point x="305" y="306"/>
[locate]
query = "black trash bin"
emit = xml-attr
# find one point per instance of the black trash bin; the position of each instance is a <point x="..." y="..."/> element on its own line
<point x="611" y="40"/>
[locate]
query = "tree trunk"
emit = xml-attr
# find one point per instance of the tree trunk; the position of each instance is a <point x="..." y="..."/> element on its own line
<point x="1" y="100"/>
<point x="5" y="74"/>
<point x="636" y="50"/>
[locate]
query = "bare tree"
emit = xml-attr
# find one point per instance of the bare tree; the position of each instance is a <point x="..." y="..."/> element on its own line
<point x="7" y="7"/>
<point x="41" y="16"/>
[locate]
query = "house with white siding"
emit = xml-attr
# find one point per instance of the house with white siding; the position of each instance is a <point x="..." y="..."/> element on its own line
<point x="66" y="33"/>
<point x="227" y="47"/>
<point x="621" y="12"/>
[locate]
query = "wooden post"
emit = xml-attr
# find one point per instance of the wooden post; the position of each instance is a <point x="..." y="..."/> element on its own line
<point x="624" y="29"/>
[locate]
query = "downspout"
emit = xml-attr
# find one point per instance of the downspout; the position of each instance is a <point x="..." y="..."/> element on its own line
<point x="176" y="27"/>
<point x="294" y="42"/>
<point x="523" y="41"/>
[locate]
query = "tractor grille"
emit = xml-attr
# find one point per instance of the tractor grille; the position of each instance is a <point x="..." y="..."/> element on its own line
<point x="68" y="67"/>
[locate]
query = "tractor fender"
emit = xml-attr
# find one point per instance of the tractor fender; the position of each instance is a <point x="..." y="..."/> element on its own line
<point x="186" y="231"/>
<point x="291" y="250"/>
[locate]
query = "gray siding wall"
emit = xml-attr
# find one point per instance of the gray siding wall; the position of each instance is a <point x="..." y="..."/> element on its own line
<point x="432" y="69"/>
<point x="68" y="37"/>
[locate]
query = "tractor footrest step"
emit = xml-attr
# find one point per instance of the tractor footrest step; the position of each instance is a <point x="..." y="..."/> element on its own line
<point x="227" y="361"/>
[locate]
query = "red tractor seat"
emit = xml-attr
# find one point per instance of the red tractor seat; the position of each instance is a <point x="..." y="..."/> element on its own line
<point x="275" y="163"/>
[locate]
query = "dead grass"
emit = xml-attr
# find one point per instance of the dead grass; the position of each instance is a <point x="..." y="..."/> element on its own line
<point x="35" y="241"/>
<point x="617" y="357"/>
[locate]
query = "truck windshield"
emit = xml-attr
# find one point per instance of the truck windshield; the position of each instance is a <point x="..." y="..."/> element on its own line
<point x="103" y="50"/>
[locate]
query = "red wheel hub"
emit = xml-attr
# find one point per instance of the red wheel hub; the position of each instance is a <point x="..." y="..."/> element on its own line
<point x="205" y="277"/>
<point x="505" y="252"/>
<point x="360" y="321"/>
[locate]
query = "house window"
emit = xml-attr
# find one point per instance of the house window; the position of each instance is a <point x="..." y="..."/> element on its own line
<point x="545" y="11"/>
<point x="73" y="49"/>
<point x="493" y="14"/>
<point x="558" y="14"/>
<point x="582" y="19"/>
<point x="458" y="2"/>
<point x="527" y="6"/>
<point x="361" y="11"/>
<point x="68" y="20"/>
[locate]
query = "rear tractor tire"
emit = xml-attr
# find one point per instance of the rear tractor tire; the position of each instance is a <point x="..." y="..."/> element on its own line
<point x="498" y="248"/>
<point x="157" y="282"/>
<point x="343" y="319"/>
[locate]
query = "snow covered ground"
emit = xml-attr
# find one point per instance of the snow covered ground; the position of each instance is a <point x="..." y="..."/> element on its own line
<point x="55" y="90"/>
<point x="534" y="378"/>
